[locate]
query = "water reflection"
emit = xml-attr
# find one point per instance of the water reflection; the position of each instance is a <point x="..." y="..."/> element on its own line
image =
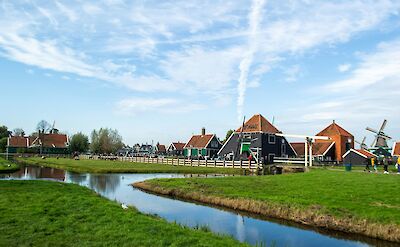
<point x="243" y="227"/>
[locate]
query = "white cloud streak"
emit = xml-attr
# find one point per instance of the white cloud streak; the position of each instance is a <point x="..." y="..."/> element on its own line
<point x="255" y="17"/>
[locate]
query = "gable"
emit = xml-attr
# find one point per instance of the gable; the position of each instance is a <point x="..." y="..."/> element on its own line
<point x="258" y="123"/>
<point x="334" y="129"/>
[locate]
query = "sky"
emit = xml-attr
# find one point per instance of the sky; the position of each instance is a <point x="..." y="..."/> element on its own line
<point x="159" y="71"/>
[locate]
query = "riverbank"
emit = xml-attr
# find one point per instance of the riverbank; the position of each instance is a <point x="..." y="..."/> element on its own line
<point x="44" y="213"/>
<point x="107" y="166"/>
<point x="7" y="167"/>
<point x="360" y="203"/>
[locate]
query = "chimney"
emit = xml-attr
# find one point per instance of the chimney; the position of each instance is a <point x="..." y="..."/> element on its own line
<point x="203" y="131"/>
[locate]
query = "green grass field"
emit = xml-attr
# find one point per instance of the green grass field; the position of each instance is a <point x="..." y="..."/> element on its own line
<point x="43" y="213"/>
<point x="106" y="166"/>
<point x="6" y="166"/>
<point x="374" y="197"/>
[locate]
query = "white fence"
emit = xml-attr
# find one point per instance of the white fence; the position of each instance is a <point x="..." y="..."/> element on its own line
<point x="243" y="164"/>
<point x="289" y="161"/>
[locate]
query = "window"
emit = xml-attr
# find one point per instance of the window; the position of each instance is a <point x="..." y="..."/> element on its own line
<point x="283" y="149"/>
<point x="271" y="139"/>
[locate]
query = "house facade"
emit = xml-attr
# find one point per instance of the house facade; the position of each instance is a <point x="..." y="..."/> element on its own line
<point x="201" y="146"/>
<point x="258" y="138"/>
<point x="357" y="157"/>
<point x="160" y="149"/>
<point x="342" y="140"/>
<point x="52" y="143"/>
<point x="176" y="149"/>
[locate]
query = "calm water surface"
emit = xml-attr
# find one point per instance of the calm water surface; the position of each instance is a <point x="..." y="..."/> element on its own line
<point x="244" y="227"/>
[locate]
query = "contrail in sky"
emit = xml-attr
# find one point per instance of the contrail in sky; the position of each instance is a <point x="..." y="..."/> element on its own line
<point x="255" y="19"/>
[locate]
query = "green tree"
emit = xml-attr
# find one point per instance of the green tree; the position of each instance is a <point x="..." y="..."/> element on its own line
<point x="228" y="134"/>
<point x="3" y="144"/>
<point x="79" y="143"/>
<point x="4" y="134"/>
<point x="105" y="141"/>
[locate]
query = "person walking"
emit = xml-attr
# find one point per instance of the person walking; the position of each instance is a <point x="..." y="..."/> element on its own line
<point x="398" y="165"/>
<point x="368" y="163"/>
<point x="386" y="163"/>
<point x="374" y="163"/>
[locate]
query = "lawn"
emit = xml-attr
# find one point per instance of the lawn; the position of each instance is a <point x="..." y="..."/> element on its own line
<point x="345" y="196"/>
<point x="106" y="166"/>
<point x="6" y="166"/>
<point x="44" y="213"/>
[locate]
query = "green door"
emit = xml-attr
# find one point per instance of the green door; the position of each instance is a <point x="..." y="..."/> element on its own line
<point x="195" y="152"/>
<point x="245" y="147"/>
<point x="204" y="152"/>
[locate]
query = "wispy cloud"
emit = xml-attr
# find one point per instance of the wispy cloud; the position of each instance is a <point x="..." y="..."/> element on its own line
<point x="255" y="17"/>
<point x="181" y="46"/>
<point x="151" y="105"/>
<point x="344" y="67"/>
<point x="375" y="68"/>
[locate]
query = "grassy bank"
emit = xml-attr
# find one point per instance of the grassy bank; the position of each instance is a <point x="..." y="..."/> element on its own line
<point x="6" y="166"/>
<point x="355" y="202"/>
<point x="43" y="213"/>
<point x="106" y="166"/>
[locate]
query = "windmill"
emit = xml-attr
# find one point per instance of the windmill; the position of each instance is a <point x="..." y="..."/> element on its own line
<point x="381" y="138"/>
<point x="362" y="144"/>
<point x="53" y="130"/>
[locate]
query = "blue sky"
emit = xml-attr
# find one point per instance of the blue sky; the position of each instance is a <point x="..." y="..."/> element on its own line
<point x="161" y="70"/>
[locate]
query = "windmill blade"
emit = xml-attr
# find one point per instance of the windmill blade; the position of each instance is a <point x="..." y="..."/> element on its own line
<point x="375" y="141"/>
<point x="364" y="139"/>
<point x="357" y="142"/>
<point x="383" y="125"/>
<point x="386" y="137"/>
<point x="372" y="130"/>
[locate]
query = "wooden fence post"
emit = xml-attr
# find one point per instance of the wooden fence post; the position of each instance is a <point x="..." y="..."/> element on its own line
<point x="215" y="163"/>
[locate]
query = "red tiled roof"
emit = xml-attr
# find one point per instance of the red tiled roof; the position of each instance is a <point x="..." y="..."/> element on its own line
<point x="199" y="141"/>
<point x="298" y="147"/>
<point x="319" y="148"/>
<point x="334" y="129"/>
<point x="179" y="145"/>
<point x="362" y="152"/>
<point x="54" y="140"/>
<point x="366" y="153"/>
<point x="258" y="123"/>
<point x="18" y="141"/>
<point x="396" y="149"/>
<point x="161" y="148"/>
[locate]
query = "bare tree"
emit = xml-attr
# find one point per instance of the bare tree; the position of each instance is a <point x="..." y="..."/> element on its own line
<point x="18" y="132"/>
<point x="43" y="126"/>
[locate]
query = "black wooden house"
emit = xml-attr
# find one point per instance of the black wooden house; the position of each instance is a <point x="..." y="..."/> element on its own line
<point x="258" y="138"/>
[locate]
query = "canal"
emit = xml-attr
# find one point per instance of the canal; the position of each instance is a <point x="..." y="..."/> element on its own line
<point x="244" y="227"/>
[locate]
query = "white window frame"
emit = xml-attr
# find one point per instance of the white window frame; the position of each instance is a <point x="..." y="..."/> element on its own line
<point x="269" y="139"/>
